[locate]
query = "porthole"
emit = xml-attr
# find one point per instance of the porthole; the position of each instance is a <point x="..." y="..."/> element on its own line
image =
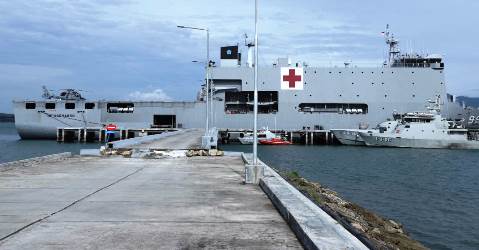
<point x="69" y="105"/>
<point x="50" y="105"/>
<point x="30" y="105"/>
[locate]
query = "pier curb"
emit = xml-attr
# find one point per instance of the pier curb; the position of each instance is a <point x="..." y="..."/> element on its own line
<point x="314" y="228"/>
<point x="35" y="160"/>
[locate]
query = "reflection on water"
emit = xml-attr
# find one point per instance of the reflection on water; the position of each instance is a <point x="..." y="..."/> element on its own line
<point x="434" y="193"/>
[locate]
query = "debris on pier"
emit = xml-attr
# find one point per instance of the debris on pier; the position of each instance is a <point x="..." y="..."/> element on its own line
<point x="156" y="154"/>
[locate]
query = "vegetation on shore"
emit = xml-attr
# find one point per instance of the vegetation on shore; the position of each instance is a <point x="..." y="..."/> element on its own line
<point x="374" y="230"/>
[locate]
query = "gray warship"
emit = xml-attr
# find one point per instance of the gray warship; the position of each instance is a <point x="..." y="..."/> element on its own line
<point x="292" y="96"/>
<point x="424" y="129"/>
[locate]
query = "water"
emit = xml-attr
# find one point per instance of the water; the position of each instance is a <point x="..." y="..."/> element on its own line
<point x="12" y="148"/>
<point x="434" y="193"/>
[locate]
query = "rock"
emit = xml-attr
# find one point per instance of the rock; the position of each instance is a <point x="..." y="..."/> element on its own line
<point x="376" y="231"/>
<point x="358" y="226"/>
<point x="212" y="152"/>
<point x="391" y="229"/>
<point x="190" y="153"/>
<point x="220" y="153"/>
<point x="127" y="153"/>
<point x="395" y="224"/>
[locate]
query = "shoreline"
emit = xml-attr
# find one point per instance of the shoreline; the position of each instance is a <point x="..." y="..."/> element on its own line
<point x="372" y="229"/>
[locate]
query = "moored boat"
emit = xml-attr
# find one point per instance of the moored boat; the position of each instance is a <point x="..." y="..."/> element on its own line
<point x="424" y="130"/>
<point x="274" y="141"/>
<point x="264" y="134"/>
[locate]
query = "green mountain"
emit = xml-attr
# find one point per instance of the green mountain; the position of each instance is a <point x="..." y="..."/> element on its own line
<point x="470" y="101"/>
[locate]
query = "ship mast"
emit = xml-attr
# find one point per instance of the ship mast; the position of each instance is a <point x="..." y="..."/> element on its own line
<point x="393" y="45"/>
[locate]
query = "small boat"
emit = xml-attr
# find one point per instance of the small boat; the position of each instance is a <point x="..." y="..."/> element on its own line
<point x="264" y="134"/>
<point x="274" y="141"/>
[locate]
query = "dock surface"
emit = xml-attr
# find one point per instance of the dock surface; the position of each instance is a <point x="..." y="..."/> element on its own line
<point x="186" y="139"/>
<point x="134" y="203"/>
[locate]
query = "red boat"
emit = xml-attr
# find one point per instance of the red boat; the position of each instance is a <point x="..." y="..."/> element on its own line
<point x="274" y="141"/>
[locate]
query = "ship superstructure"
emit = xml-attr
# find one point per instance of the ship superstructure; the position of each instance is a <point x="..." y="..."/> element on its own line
<point x="291" y="96"/>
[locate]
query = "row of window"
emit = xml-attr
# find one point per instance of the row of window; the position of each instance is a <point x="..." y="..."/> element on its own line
<point x="52" y="105"/>
<point x="340" y="108"/>
<point x="111" y="107"/>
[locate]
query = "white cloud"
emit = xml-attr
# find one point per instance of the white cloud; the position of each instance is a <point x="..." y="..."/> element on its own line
<point x="155" y="95"/>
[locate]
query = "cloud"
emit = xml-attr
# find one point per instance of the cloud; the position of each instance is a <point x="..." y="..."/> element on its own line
<point x="155" y="95"/>
<point x="112" y="47"/>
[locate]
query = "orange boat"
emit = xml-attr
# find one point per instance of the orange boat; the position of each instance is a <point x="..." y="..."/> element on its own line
<point x="274" y="141"/>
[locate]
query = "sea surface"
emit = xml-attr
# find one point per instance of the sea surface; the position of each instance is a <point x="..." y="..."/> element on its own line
<point x="12" y="148"/>
<point x="433" y="193"/>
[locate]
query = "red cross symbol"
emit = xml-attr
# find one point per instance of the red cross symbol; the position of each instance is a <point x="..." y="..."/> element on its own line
<point x="292" y="78"/>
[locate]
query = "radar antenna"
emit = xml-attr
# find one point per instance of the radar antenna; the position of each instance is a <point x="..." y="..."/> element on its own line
<point x="46" y="93"/>
<point x="393" y="45"/>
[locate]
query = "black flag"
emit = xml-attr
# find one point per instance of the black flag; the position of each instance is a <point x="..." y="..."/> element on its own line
<point x="229" y="52"/>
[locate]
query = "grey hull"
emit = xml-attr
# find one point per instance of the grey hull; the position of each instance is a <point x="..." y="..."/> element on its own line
<point x="380" y="141"/>
<point x="348" y="137"/>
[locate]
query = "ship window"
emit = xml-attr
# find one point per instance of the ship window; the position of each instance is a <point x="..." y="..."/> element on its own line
<point x="89" y="105"/>
<point x="69" y="105"/>
<point x="30" y="105"/>
<point x="121" y="107"/>
<point x="242" y="102"/>
<point x="50" y="105"/>
<point x="340" y="108"/>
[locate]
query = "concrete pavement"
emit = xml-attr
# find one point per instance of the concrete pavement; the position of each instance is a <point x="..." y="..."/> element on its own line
<point x="126" y="203"/>
<point x="190" y="138"/>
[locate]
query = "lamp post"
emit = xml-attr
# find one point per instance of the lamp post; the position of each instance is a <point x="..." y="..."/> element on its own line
<point x="207" y="128"/>
<point x="255" y="105"/>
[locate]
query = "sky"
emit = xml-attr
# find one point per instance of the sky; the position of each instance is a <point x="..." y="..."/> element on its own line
<point x="129" y="49"/>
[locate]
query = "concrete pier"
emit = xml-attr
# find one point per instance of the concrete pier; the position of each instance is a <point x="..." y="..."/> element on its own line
<point x="127" y="203"/>
<point x="163" y="202"/>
